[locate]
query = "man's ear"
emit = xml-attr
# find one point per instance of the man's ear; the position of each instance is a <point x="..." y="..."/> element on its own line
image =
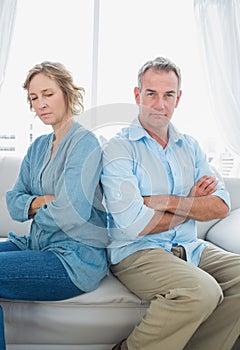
<point x="178" y="98"/>
<point x="137" y="95"/>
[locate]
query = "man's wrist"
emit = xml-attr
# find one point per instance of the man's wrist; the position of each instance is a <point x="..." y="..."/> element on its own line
<point x="173" y="204"/>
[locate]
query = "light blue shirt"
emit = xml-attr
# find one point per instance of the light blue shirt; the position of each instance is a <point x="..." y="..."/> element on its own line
<point x="73" y="226"/>
<point x="135" y="165"/>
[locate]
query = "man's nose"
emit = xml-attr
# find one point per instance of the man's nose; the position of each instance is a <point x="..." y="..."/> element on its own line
<point x="159" y="103"/>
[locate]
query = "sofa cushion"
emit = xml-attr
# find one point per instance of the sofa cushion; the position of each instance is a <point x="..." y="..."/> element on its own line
<point x="226" y="233"/>
<point x="103" y="316"/>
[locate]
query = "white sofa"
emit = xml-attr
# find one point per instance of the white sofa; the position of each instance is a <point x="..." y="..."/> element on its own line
<point x="96" y="320"/>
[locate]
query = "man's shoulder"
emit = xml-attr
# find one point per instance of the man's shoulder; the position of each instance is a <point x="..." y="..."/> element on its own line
<point x="128" y="134"/>
<point x="187" y="139"/>
<point x="116" y="141"/>
<point x="119" y="145"/>
<point x="191" y="142"/>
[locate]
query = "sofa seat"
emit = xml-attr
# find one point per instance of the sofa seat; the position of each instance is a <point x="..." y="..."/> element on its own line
<point x="103" y="316"/>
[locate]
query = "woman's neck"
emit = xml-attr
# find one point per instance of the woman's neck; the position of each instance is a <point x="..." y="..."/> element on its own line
<point x="63" y="129"/>
<point x="59" y="133"/>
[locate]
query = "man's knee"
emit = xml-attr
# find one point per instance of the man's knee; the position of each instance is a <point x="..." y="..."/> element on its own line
<point x="200" y="299"/>
<point x="209" y="297"/>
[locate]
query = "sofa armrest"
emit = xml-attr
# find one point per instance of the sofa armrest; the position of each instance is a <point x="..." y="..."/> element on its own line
<point x="233" y="186"/>
<point x="9" y="166"/>
<point x="225" y="233"/>
<point x="207" y="230"/>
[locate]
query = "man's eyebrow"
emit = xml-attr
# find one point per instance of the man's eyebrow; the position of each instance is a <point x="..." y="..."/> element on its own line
<point x="167" y="92"/>
<point x="150" y="90"/>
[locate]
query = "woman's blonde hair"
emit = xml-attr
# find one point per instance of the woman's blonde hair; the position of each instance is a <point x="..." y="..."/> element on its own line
<point x="54" y="70"/>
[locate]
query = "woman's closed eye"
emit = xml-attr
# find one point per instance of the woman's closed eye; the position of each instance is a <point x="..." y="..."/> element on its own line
<point x="34" y="98"/>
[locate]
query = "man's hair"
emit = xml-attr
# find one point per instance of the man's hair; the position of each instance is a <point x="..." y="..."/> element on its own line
<point x="73" y="94"/>
<point x="159" y="64"/>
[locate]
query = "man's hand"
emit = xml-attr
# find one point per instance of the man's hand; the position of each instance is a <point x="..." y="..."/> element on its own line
<point x="203" y="187"/>
<point x="198" y="205"/>
<point x="157" y="202"/>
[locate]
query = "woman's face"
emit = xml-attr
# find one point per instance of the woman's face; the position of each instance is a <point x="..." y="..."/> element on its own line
<point x="48" y="101"/>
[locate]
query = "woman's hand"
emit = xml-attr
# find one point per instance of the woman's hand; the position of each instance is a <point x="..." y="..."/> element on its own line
<point x="38" y="202"/>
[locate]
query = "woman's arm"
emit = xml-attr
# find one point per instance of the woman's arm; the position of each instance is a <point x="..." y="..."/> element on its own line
<point x="75" y="188"/>
<point x="38" y="202"/>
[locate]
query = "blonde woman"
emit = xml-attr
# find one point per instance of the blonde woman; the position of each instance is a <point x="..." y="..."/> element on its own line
<point x="58" y="188"/>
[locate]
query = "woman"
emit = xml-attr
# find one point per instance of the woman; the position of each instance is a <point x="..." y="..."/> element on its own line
<point x="58" y="188"/>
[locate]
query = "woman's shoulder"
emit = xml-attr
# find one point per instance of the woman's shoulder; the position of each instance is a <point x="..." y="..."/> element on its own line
<point x="42" y="138"/>
<point x="40" y="142"/>
<point x="84" y="135"/>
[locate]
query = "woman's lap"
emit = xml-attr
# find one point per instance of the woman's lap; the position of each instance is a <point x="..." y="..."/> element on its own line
<point x="33" y="275"/>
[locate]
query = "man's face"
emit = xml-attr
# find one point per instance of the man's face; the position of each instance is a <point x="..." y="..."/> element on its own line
<point x="157" y="99"/>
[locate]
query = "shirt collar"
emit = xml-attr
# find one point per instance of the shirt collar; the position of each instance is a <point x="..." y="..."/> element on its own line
<point x="137" y="132"/>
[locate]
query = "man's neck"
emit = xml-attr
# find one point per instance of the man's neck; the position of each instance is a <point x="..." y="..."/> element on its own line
<point x="161" y="138"/>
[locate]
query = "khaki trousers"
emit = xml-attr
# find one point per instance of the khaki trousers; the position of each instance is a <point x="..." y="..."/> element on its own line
<point x="191" y="307"/>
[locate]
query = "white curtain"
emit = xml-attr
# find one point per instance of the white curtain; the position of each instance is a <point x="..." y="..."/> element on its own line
<point x="7" y="15"/>
<point x="219" y="27"/>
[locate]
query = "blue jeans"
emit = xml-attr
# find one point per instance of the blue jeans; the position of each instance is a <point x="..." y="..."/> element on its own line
<point x="32" y="275"/>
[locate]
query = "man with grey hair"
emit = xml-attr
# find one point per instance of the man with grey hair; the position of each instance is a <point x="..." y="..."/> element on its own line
<point x="157" y="183"/>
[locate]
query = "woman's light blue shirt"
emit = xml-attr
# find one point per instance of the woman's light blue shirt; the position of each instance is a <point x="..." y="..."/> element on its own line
<point x="135" y="165"/>
<point x="73" y="226"/>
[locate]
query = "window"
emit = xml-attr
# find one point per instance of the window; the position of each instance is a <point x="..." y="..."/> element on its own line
<point x="130" y="33"/>
<point x="44" y="30"/>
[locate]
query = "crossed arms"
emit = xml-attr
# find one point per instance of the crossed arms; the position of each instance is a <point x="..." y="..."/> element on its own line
<point x="173" y="210"/>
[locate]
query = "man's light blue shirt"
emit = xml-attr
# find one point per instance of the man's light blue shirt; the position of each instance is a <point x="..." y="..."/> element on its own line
<point x="135" y="165"/>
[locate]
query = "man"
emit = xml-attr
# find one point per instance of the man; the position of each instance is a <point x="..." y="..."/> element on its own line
<point x="157" y="182"/>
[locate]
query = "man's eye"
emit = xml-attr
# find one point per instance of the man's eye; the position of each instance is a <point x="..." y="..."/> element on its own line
<point x="33" y="99"/>
<point x="48" y="95"/>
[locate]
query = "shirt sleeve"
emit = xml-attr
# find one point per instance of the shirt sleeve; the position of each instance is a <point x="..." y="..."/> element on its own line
<point x="122" y="194"/>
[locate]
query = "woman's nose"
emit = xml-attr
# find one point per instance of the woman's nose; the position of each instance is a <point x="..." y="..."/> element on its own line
<point x="41" y="104"/>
